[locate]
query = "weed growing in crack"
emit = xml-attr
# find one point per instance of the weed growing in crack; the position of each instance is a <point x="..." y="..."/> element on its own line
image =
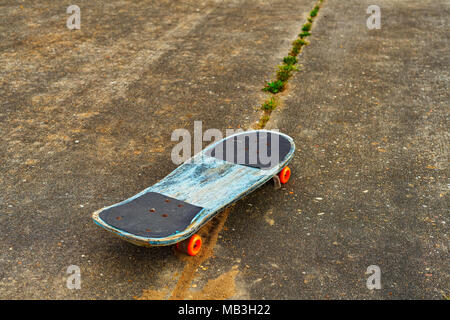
<point x="274" y="86"/>
<point x="295" y="51"/>
<point x="262" y="122"/>
<point x="284" y="72"/>
<point x="297" y="46"/>
<point x="307" y="27"/>
<point x="300" y="43"/>
<point x="314" y="11"/>
<point x="304" y="34"/>
<point x="290" y="60"/>
<point x="269" y="105"/>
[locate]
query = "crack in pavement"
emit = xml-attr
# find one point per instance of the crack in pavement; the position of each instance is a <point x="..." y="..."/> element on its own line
<point x="286" y="68"/>
<point x="209" y="232"/>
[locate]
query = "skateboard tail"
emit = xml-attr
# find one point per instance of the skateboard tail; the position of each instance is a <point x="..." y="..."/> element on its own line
<point x="139" y="240"/>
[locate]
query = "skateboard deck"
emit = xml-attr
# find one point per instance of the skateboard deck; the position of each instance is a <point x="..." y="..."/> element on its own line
<point x="177" y="206"/>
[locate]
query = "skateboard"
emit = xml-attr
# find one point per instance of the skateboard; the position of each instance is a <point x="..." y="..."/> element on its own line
<point x="175" y="208"/>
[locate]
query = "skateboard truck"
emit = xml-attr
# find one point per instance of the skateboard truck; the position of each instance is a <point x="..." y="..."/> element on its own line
<point x="276" y="182"/>
<point x="282" y="177"/>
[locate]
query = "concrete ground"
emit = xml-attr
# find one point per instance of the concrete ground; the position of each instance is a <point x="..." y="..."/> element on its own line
<point x="87" y="115"/>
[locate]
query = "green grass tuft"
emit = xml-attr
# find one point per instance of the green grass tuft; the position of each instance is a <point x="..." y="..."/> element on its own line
<point x="297" y="46"/>
<point x="295" y="51"/>
<point x="300" y="43"/>
<point x="289" y="60"/>
<point x="314" y="11"/>
<point x="263" y="121"/>
<point x="284" y="72"/>
<point x="307" y="27"/>
<point x="269" y="105"/>
<point x="274" y="86"/>
<point x="304" y="34"/>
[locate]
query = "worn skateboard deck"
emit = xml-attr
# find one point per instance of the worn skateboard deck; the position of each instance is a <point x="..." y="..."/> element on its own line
<point x="176" y="207"/>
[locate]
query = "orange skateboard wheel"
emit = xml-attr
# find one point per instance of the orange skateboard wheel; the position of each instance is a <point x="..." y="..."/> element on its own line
<point x="285" y="174"/>
<point x="191" y="246"/>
